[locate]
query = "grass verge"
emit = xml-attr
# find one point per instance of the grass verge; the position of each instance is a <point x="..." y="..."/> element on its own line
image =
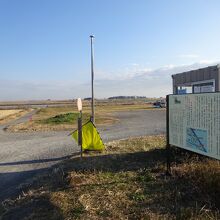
<point x="127" y="181"/>
<point x="8" y="115"/>
<point x="64" y="117"/>
<point x="63" y="121"/>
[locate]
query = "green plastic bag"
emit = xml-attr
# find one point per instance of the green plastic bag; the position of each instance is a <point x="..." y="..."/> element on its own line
<point x="91" y="139"/>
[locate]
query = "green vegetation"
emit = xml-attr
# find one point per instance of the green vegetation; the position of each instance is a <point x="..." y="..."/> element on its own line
<point x="127" y="181"/>
<point x="68" y="118"/>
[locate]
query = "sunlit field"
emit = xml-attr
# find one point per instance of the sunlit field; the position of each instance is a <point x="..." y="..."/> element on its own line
<point x="8" y="115"/>
<point x="64" y="116"/>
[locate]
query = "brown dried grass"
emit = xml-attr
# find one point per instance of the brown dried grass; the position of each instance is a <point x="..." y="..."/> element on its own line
<point x="36" y="125"/>
<point x="127" y="181"/>
<point x="104" y="116"/>
<point x="8" y="115"/>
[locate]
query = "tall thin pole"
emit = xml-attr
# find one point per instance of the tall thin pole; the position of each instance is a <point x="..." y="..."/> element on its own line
<point x="168" y="150"/>
<point x="92" y="80"/>
<point x="80" y="132"/>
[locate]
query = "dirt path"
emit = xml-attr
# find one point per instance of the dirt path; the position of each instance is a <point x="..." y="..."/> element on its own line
<point x="24" y="154"/>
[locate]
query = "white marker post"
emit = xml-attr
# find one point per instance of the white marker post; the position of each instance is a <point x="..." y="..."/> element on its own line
<point x="79" y="106"/>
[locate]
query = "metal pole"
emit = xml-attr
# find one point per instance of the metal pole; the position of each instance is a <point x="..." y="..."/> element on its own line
<point x="168" y="172"/>
<point x="80" y="132"/>
<point x="92" y="80"/>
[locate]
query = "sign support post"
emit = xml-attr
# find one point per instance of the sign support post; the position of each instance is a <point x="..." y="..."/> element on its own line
<point x="80" y="132"/>
<point x="168" y="171"/>
<point x="79" y="105"/>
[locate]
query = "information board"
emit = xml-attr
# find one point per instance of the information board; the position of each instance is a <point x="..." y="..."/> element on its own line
<point x="194" y="123"/>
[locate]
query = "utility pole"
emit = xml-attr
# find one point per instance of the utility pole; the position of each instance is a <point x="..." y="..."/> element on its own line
<point x="92" y="80"/>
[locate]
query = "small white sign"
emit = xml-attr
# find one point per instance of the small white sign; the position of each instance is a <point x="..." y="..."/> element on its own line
<point x="208" y="88"/>
<point x="79" y="104"/>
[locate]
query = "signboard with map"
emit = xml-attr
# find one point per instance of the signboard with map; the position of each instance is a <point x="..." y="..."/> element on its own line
<point x="194" y="123"/>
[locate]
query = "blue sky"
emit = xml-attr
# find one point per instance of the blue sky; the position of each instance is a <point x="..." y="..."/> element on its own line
<point x="44" y="44"/>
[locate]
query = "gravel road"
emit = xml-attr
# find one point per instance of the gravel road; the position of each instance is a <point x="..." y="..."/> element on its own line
<point x="23" y="155"/>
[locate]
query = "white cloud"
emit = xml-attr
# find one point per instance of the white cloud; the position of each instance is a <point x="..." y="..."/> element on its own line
<point x="206" y="62"/>
<point x="134" y="64"/>
<point x="126" y="72"/>
<point x="189" y="56"/>
<point x="146" y="81"/>
<point x="169" y="66"/>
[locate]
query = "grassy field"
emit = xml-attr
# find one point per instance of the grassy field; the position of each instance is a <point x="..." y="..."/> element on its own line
<point x="65" y="117"/>
<point x="7" y="115"/>
<point x="127" y="181"/>
<point x="69" y="102"/>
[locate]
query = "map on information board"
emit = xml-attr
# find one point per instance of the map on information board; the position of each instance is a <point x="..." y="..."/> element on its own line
<point x="197" y="139"/>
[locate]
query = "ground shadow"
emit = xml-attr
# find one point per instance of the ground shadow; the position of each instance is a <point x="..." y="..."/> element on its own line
<point x="10" y="182"/>
<point x="169" y="195"/>
<point x="34" y="209"/>
<point x="112" y="162"/>
<point x="38" y="161"/>
<point x="118" y="162"/>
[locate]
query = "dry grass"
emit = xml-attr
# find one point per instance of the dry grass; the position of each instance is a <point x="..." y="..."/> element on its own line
<point x="8" y="115"/>
<point x="127" y="181"/>
<point x="5" y="113"/>
<point x="73" y="102"/>
<point x="104" y="115"/>
<point x="37" y="123"/>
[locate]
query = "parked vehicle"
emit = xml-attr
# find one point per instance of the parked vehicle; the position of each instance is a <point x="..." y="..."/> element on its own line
<point x="160" y="104"/>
